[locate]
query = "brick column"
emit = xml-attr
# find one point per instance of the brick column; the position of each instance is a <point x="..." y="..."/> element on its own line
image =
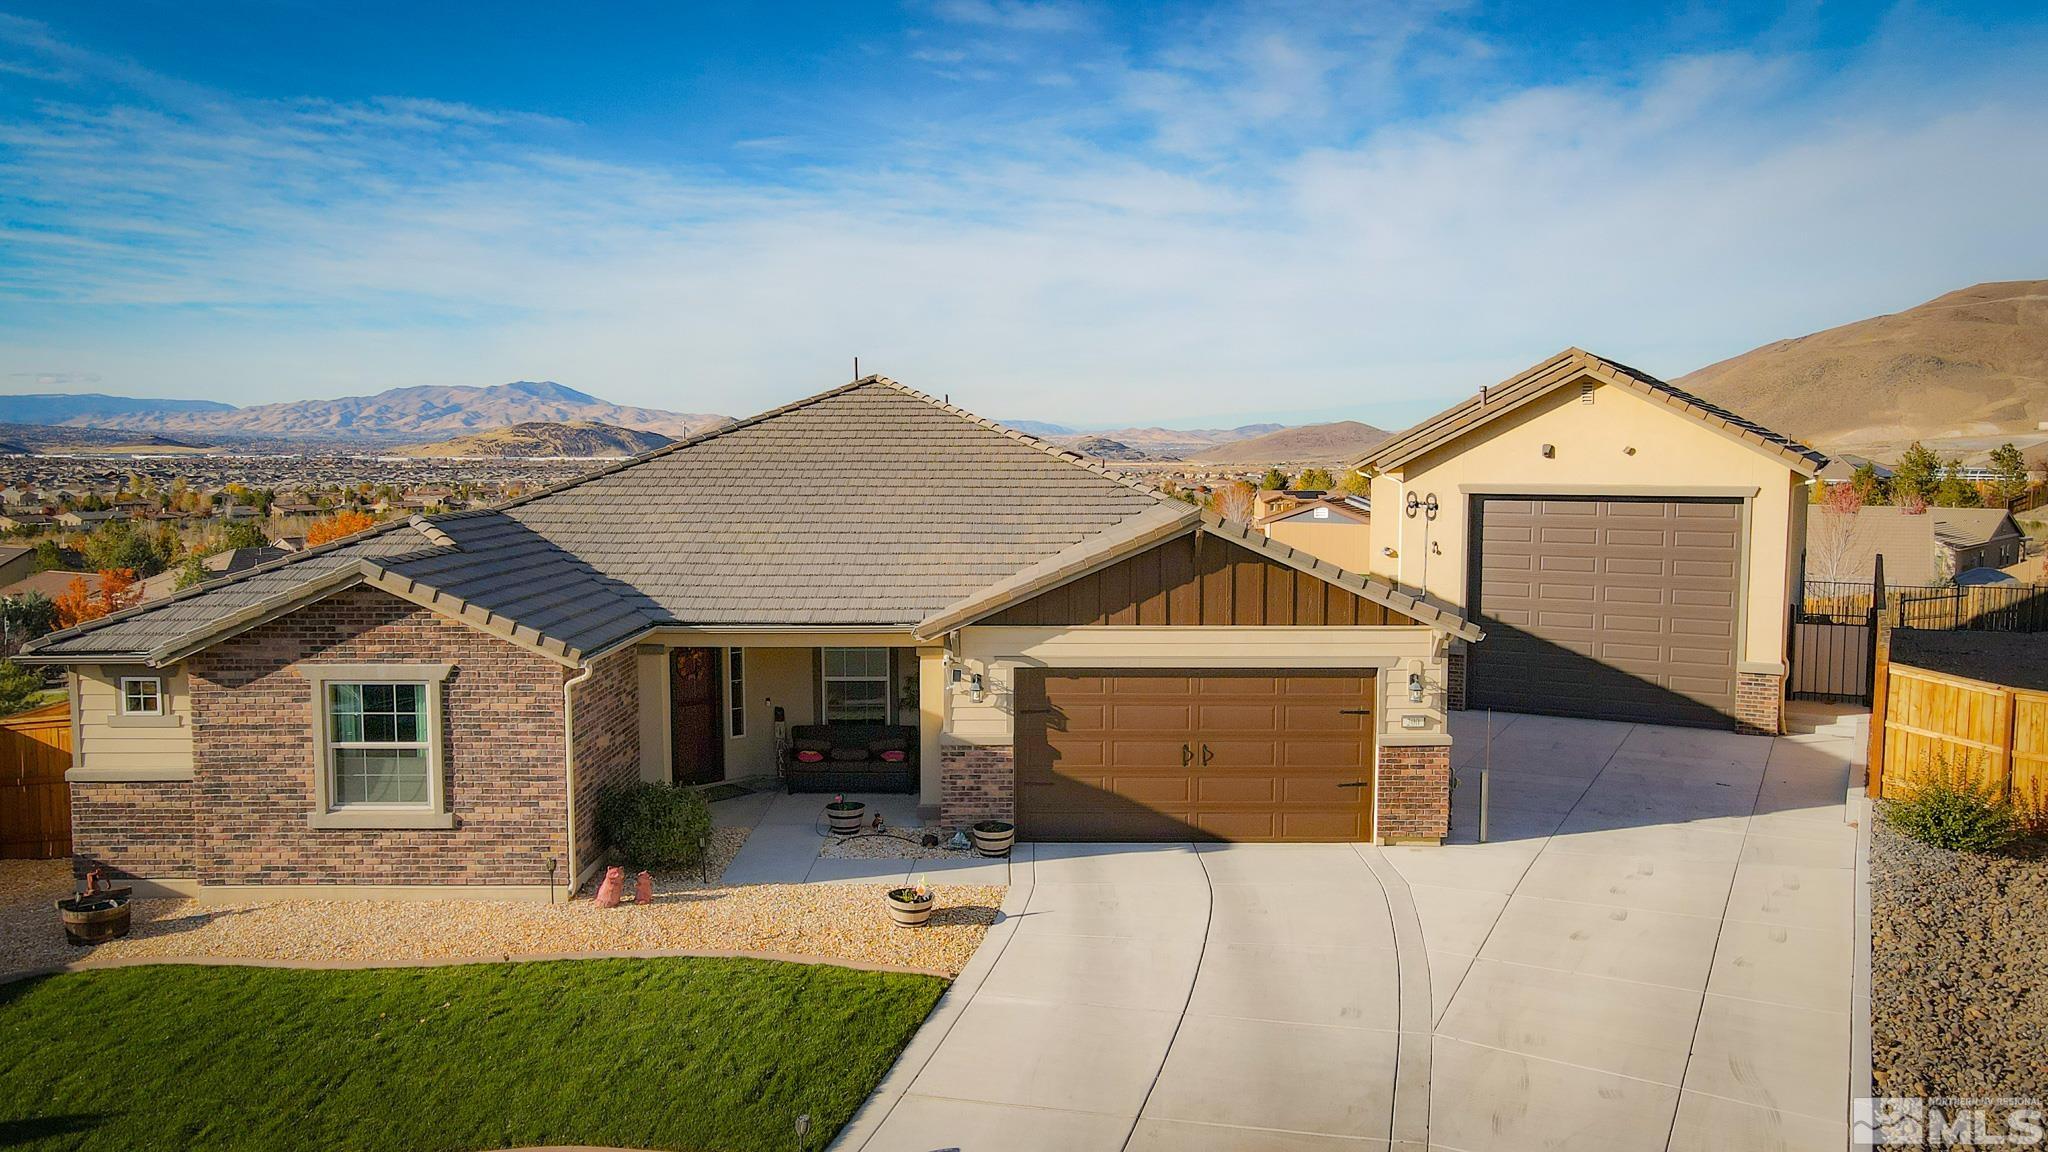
<point x="1759" y="703"/>
<point x="976" y="782"/>
<point x="1414" y="794"/>
<point x="1454" y="681"/>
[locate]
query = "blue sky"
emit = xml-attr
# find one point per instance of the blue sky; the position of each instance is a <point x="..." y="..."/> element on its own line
<point x="1088" y="213"/>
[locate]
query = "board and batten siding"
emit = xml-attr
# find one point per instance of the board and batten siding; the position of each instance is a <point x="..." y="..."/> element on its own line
<point x="1196" y="580"/>
<point x="111" y="746"/>
<point x="1393" y="651"/>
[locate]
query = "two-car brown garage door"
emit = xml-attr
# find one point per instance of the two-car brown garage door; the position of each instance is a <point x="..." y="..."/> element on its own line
<point x="1613" y="608"/>
<point x="1134" y="755"/>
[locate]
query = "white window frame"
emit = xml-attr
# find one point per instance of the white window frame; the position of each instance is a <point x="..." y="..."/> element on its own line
<point x="736" y="693"/>
<point x="433" y="813"/>
<point x="828" y="679"/>
<point x="157" y="691"/>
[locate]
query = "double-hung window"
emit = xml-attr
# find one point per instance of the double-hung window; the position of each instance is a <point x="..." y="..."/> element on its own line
<point x="856" y="685"/>
<point x="378" y="732"/>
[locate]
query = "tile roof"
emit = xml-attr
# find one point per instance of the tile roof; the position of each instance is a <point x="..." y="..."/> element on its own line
<point x="1560" y="370"/>
<point x="1969" y="527"/>
<point x="913" y="507"/>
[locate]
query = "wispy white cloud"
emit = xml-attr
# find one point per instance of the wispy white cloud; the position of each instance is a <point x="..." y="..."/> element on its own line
<point x="1231" y="224"/>
<point x="1014" y="15"/>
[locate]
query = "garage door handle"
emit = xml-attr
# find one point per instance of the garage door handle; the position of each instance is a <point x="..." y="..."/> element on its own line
<point x="1187" y="755"/>
<point x="1207" y="755"/>
<point x="1357" y="784"/>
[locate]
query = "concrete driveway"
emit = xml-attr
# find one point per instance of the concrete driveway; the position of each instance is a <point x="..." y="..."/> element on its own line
<point x="1656" y="949"/>
<point x="1653" y="952"/>
<point x="1171" y="997"/>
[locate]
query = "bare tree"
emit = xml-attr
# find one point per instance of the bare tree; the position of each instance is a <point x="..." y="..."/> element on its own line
<point x="1830" y="545"/>
<point x="1233" y="501"/>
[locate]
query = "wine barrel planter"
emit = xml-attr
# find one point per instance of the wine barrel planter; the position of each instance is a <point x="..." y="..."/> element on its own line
<point x="845" y="816"/>
<point x="994" y="837"/>
<point x="95" y="919"/>
<point x="908" y="909"/>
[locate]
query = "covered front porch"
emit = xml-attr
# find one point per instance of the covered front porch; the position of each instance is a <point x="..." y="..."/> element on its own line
<point x="819" y="709"/>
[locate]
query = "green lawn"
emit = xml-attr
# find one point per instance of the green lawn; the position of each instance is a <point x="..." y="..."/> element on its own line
<point x="703" y="1055"/>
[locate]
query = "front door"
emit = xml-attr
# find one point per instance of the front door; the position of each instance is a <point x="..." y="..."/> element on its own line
<point x="696" y="739"/>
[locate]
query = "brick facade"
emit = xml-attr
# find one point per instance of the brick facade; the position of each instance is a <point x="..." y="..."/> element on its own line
<point x="976" y="782"/>
<point x="607" y="722"/>
<point x="243" y="819"/>
<point x="1414" y="794"/>
<point x="139" y="830"/>
<point x="1759" y="703"/>
<point x="1454" y="681"/>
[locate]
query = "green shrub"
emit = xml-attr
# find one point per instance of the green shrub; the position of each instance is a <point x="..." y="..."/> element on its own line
<point x="655" y="825"/>
<point x="1950" y="809"/>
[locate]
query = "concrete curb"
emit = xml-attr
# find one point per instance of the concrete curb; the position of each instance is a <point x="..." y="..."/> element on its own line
<point x="1862" y="1081"/>
<point x="868" y="1120"/>
<point x="1416" y="1040"/>
<point x="458" y="961"/>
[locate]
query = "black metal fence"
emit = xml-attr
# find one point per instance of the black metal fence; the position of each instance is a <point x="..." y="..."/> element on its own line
<point x="1978" y="608"/>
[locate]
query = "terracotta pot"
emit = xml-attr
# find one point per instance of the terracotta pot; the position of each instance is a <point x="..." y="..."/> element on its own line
<point x="907" y="910"/>
<point x="994" y="837"/>
<point x="846" y="816"/>
<point x="94" y="919"/>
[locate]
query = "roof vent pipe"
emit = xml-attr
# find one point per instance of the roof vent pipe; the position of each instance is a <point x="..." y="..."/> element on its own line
<point x="1482" y="395"/>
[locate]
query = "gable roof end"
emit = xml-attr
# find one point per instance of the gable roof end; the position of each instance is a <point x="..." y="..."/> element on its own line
<point x="1571" y="365"/>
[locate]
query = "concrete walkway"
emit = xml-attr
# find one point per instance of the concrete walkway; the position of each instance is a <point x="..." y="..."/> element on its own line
<point x="789" y="830"/>
<point x="1655" y="950"/>
<point x="1172" y="997"/>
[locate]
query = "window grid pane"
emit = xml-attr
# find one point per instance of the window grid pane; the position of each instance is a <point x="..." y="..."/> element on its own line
<point x="378" y="745"/>
<point x="856" y="685"/>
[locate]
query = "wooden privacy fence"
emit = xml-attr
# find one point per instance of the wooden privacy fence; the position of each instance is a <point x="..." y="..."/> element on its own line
<point x="35" y="802"/>
<point x="1999" y="735"/>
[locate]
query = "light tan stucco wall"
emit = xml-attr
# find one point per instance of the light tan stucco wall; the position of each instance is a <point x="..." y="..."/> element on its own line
<point x="772" y="677"/>
<point x="1674" y="455"/>
<point x="997" y="653"/>
<point x="1345" y="543"/>
<point x="113" y="747"/>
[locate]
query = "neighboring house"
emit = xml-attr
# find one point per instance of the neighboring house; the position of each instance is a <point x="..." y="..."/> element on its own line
<point x="1977" y="537"/>
<point x="444" y="701"/>
<point x="1844" y="546"/>
<point x="1842" y="469"/>
<point x="50" y="584"/>
<point x="16" y="561"/>
<point x="90" y="519"/>
<point x="223" y="563"/>
<point x="1919" y="546"/>
<point x="1329" y="527"/>
<point x="1630" y="550"/>
<point x="20" y="520"/>
<point x="288" y="543"/>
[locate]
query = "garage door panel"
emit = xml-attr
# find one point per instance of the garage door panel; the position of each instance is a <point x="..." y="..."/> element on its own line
<point x="1279" y="746"/>
<point x="1636" y="621"/>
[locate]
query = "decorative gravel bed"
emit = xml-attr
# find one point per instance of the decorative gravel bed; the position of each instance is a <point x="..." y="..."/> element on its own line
<point x="830" y="921"/>
<point x="1959" y="969"/>
<point x="894" y="844"/>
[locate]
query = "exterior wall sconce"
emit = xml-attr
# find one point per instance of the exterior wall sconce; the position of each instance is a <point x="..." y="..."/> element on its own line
<point x="1415" y="687"/>
<point x="1549" y="451"/>
<point x="974" y="688"/>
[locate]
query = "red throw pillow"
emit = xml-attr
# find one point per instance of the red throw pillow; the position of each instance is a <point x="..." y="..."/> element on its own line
<point x="895" y="756"/>
<point x="807" y="756"/>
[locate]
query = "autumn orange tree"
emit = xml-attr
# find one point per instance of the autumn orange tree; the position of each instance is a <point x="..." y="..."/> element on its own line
<point x="346" y="522"/>
<point x="81" y="602"/>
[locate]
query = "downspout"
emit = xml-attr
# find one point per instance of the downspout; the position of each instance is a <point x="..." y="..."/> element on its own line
<point x="569" y="687"/>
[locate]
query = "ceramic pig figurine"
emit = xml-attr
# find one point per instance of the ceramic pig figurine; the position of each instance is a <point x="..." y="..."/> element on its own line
<point x="614" y="886"/>
<point x="643" y="889"/>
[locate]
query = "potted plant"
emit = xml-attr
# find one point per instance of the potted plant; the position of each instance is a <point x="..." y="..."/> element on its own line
<point x="911" y="907"/>
<point x="96" y="915"/>
<point x="845" y="816"/>
<point x="993" y="837"/>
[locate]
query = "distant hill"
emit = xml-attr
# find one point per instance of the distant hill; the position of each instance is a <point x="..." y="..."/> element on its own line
<point x="1146" y="443"/>
<point x="576" y="438"/>
<point x="30" y="438"/>
<point x="1104" y="448"/>
<point x="1972" y="363"/>
<point x="1338" y="443"/>
<point x="397" y="414"/>
<point x="92" y="409"/>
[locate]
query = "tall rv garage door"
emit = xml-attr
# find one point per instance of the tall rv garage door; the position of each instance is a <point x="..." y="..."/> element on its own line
<point x="1194" y="755"/>
<point x="1617" y="609"/>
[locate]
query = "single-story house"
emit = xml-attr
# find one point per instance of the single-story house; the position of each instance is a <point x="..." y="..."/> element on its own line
<point x="1921" y="545"/>
<point x="16" y="561"/>
<point x="49" y="584"/>
<point x="1328" y="525"/>
<point x="1630" y="550"/>
<point x="90" y="518"/>
<point x="443" y="700"/>
<point x="225" y="562"/>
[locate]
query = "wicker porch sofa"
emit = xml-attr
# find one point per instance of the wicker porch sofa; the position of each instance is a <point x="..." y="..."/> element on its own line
<point x="852" y="758"/>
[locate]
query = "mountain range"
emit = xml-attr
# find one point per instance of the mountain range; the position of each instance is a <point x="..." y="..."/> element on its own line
<point x="1148" y="443"/>
<point x="1971" y="365"/>
<point x="392" y="416"/>
<point x="577" y="439"/>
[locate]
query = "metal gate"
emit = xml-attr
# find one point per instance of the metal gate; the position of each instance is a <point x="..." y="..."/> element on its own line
<point x="1834" y="640"/>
